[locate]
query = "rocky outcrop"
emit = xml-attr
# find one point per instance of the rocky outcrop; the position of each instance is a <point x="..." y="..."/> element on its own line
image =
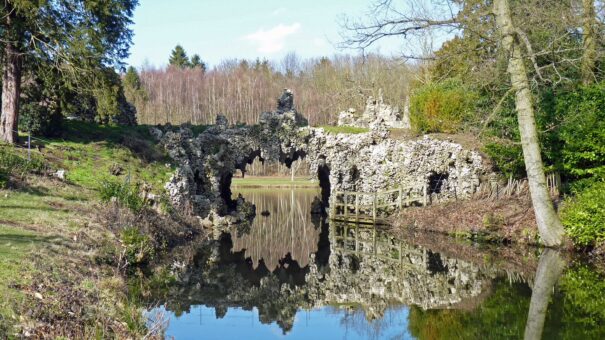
<point x="365" y="162"/>
<point x="376" y="112"/>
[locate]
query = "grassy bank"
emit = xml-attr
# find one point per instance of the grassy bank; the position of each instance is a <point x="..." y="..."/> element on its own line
<point x="273" y="182"/>
<point x="58" y="272"/>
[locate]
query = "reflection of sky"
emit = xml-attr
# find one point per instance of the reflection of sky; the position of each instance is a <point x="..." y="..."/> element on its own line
<point x="322" y="323"/>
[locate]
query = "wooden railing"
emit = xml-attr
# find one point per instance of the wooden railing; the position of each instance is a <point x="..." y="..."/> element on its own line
<point x="372" y="207"/>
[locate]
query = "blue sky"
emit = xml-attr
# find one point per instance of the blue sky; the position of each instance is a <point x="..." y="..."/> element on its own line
<point x="227" y="29"/>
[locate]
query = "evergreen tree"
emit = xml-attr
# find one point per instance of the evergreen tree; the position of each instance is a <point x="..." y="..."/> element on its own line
<point x="178" y="57"/>
<point x="79" y="37"/>
<point x="196" y="61"/>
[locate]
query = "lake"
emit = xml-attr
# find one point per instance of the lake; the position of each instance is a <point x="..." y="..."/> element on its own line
<point x="293" y="275"/>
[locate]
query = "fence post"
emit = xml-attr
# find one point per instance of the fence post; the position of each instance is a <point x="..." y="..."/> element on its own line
<point x="357" y="207"/>
<point x="346" y="198"/>
<point x="374" y="208"/>
<point x="425" y="193"/>
<point x="29" y="146"/>
<point x="400" y="198"/>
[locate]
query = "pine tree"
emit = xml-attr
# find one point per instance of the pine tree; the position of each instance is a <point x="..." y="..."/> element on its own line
<point x="196" y="61"/>
<point x="78" y="37"/>
<point x="178" y="57"/>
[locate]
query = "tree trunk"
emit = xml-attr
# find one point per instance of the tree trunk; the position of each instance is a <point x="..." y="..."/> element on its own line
<point x="11" y="89"/>
<point x="589" y="57"/>
<point x="549" y="225"/>
<point x="550" y="267"/>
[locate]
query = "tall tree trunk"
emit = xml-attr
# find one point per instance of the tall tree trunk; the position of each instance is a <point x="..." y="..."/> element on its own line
<point x="11" y="79"/>
<point x="550" y="267"/>
<point x="549" y="225"/>
<point x="11" y="89"/>
<point x="589" y="57"/>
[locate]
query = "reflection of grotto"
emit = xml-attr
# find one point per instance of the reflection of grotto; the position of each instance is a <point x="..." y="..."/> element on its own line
<point x="352" y="265"/>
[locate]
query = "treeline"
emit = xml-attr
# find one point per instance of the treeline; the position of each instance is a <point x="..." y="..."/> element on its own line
<point x="242" y="89"/>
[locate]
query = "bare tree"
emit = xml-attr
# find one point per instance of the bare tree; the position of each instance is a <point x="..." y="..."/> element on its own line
<point x="589" y="41"/>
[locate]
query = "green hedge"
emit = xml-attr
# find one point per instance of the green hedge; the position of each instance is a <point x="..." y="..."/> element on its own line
<point x="584" y="216"/>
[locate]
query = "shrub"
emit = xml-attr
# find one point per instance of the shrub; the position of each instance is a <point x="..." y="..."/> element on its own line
<point x="583" y="131"/>
<point x="125" y="193"/>
<point x="12" y="163"/>
<point x="584" y="216"/>
<point x="442" y="106"/>
<point x="39" y="120"/>
<point x="508" y="158"/>
<point x="139" y="247"/>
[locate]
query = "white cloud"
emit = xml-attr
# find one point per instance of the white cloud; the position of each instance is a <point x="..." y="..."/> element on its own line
<point x="272" y="40"/>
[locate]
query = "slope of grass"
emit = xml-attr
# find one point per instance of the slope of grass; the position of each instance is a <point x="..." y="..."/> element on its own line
<point x="344" y="129"/>
<point x="15" y="244"/>
<point x="50" y="229"/>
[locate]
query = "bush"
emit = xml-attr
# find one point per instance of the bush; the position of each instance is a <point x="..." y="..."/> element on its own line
<point x="441" y="107"/>
<point x="12" y="163"/>
<point x="139" y="247"/>
<point x="508" y="158"/>
<point x="39" y="120"/>
<point x="584" y="216"/>
<point x="125" y="193"/>
<point x="583" y="131"/>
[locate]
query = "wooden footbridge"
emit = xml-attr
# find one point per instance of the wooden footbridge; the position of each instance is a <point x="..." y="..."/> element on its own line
<point x="374" y="207"/>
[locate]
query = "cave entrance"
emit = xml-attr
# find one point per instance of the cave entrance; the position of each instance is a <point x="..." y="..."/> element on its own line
<point x="437" y="182"/>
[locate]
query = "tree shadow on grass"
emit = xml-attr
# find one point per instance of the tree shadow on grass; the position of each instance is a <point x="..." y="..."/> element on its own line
<point x="20" y="240"/>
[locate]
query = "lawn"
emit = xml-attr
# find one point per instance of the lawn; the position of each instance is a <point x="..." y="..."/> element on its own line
<point x="271" y="181"/>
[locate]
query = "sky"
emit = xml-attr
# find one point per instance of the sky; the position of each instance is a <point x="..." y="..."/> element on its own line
<point x="241" y="29"/>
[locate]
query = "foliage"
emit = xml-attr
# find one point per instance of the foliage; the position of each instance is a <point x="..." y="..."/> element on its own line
<point x="196" y="61"/>
<point x="127" y="194"/>
<point x="583" y="131"/>
<point x="13" y="162"/>
<point x="40" y="108"/>
<point x="139" y="246"/>
<point x="584" y="303"/>
<point x="442" y="106"/>
<point x="508" y="158"/>
<point x="178" y="57"/>
<point x="584" y="216"/>
<point x="501" y="316"/>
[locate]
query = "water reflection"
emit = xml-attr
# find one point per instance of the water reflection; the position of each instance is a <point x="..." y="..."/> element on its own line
<point x="287" y="229"/>
<point x="297" y="275"/>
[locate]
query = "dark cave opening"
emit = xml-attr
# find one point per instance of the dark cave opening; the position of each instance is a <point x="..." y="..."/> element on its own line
<point x="323" y="174"/>
<point x="437" y="182"/>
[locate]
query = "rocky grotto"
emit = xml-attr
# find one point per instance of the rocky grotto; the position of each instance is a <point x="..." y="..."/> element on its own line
<point x="366" y="162"/>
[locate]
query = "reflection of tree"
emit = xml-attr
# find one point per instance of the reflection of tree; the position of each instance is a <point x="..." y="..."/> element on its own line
<point x="287" y="229"/>
<point x="501" y="316"/>
<point x="583" y="304"/>
<point x="355" y="319"/>
<point x="550" y="267"/>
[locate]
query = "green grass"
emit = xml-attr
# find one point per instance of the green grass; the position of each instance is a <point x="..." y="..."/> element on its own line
<point x="87" y="151"/>
<point x="344" y="129"/>
<point x="273" y="182"/>
<point x="15" y="244"/>
<point x="46" y="206"/>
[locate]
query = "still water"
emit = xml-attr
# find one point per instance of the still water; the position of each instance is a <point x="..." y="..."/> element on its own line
<point x="293" y="275"/>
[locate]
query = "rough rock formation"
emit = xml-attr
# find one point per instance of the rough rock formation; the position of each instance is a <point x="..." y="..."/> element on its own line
<point x="366" y="162"/>
<point x="376" y="112"/>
